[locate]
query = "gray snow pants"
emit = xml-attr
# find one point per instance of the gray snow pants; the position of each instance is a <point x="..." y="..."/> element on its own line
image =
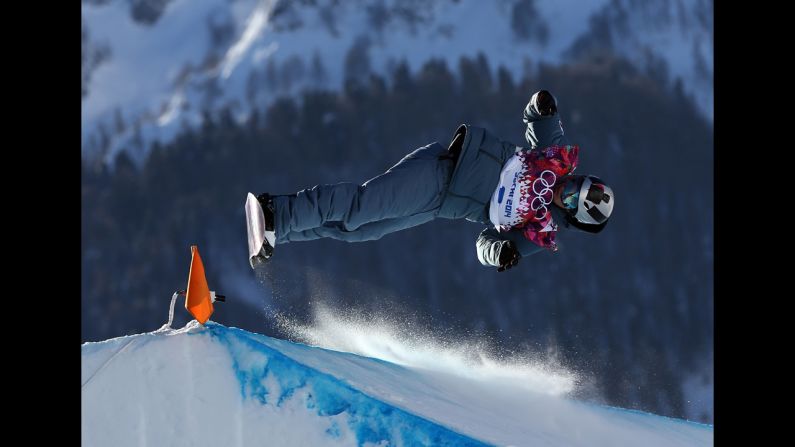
<point x="406" y="195"/>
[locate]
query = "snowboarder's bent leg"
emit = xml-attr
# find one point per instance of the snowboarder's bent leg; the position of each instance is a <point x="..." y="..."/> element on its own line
<point x="415" y="185"/>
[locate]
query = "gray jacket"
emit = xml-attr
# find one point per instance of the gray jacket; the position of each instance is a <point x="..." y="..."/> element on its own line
<point x="477" y="173"/>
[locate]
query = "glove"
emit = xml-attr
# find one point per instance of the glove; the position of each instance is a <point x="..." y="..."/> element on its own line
<point x="509" y="256"/>
<point x="544" y="103"/>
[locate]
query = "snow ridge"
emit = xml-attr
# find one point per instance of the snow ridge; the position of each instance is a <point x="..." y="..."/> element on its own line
<point x="213" y="385"/>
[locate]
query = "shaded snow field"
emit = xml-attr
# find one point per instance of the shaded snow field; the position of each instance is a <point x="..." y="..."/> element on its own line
<point x="215" y="385"/>
<point x="158" y="76"/>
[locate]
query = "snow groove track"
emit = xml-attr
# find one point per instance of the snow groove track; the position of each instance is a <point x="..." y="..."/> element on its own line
<point x="215" y="385"/>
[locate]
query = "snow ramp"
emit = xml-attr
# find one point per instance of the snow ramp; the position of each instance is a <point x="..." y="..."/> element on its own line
<point x="215" y="385"/>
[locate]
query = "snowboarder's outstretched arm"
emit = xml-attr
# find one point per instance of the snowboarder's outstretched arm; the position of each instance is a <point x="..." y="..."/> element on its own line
<point x="544" y="127"/>
<point x="491" y="245"/>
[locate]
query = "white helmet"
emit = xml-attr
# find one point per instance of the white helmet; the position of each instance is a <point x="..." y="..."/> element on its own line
<point x="593" y="197"/>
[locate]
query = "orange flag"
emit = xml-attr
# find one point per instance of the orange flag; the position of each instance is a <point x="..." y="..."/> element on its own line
<point x="197" y="297"/>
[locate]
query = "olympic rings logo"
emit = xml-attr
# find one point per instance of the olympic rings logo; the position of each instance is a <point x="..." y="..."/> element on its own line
<point x="544" y="196"/>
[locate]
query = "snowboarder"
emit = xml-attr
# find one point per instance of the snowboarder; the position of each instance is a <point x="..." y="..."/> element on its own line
<point x="523" y="194"/>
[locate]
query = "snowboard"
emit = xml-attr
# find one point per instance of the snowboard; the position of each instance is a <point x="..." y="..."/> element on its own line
<point x="260" y="241"/>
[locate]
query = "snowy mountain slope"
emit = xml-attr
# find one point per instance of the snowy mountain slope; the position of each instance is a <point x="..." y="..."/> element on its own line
<point x="149" y="69"/>
<point x="215" y="385"/>
<point x="668" y="38"/>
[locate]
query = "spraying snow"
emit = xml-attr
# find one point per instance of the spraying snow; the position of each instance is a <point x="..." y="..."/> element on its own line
<point x="406" y="345"/>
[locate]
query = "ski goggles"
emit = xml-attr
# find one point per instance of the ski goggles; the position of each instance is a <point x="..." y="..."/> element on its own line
<point x="570" y="195"/>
